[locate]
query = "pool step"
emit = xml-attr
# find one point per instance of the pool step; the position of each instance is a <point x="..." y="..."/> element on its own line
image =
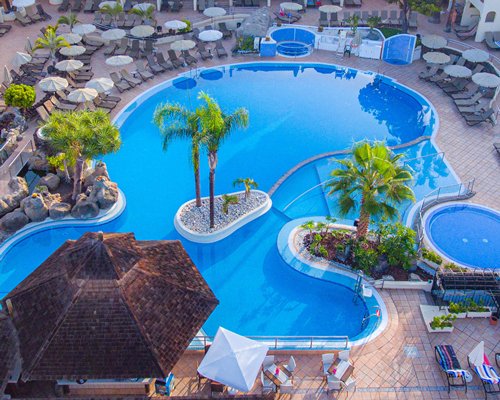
<point x="324" y="192"/>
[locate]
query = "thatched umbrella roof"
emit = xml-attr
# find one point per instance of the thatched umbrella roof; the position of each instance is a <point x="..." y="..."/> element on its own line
<point x="108" y="306"/>
<point x="256" y="24"/>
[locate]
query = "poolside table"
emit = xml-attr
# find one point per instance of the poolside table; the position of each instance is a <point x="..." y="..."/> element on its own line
<point x="341" y="369"/>
<point x="279" y="378"/>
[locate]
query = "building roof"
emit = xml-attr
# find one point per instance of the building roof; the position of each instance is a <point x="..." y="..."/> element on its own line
<point x="109" y="306"/>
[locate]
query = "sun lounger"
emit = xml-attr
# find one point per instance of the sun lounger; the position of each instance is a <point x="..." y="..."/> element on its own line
<point x="454" y="86"/>
<point x="99" y="102"/>
<point x="120" y="83"/>
<point x="142" y="71"/>
<point x="490" y="42"/>
<point x="470" y="91"/>
<point x="77" y="6"/>
<point x="110" y="98"/>
<point x="203" y="52"/>
<point x="481" y="365"/>
<point x="393" y="18"/>
<point x="466" y="28"/>
<point x="153" y="65"/>
<point x="471" y="109"/>
<point x="135" y="49"/>
<point x="165" y="64"/>
<point x="471" y="101"/>
<point x="31" y="14"/>
<point x="22" y="20"/>
<point x="174" y="60"/>
<point x="88" y="7"/>
<point x="226" y="33"/>
<point x="438" y="78"/>
<point x="483" y="116"/>
<point x="41" y="12"/>
<point x="122" y="49"/>
<point x="468" y="34"/>
<point x="188" y="57"/>
<point x="129" y="78"/>
<point x="64" y="6"/>
<point x="220" y="50"/>
<point x="127" y="6"/>
<point x="384" y="17"/>
<point x="60" y="106"/>
<point x="148" y="48"/>
<point x="323" y="19"/>
<point x="447" y="359"/>
<point x="97" y="18"/>
<point x="497" y="148"/>
<point x="176" y="7"/>
<point x="110" y="49"/>
<point x="413" y="20"/>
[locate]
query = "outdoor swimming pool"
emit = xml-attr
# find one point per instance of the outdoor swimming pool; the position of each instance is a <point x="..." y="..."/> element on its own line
<point x="466" y="234"/>
<point x="296" y="111"/>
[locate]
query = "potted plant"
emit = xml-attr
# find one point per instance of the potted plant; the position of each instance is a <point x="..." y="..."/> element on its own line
<point x="320" y="28"/>
<point x="442" y="323"/>
<point x="494" y="319"/>
<point x="459" y="310"/>
<point x="354" y="23"/>
<point x="20" y="96"/>
<point x="373" y="22"/>
<point x="430" y="258"/>
<point x="475" y="310"/>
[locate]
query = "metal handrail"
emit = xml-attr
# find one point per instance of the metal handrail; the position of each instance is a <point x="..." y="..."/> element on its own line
<point x="407" y="160"/>
<point x="304" y="193"/>
<point x="19" y="155"/>
<point x="284" y="342"/>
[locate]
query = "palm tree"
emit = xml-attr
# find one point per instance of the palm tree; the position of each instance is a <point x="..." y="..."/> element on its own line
<point x="146" y="13"/>
<point x="51" y="41"/>
<point x="112" y="11"/>
<point x="373" y="180"/>
<point x="227" y="200"/>
<point x="249" y="183"/>
<point x="81" y="136"/>
<point x="70" y="19"/>
<point x="216" y="126"/>
<point x="177" y="122"/>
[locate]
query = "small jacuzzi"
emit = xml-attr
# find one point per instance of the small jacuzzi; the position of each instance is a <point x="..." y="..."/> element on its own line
<point x="294" y="42"/>
<point x="465" y="233"/>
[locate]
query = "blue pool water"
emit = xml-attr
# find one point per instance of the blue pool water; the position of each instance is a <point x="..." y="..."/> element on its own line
<point x="294" y="42"/>
<point x="467" y="234"/>
<point x="296" y="111"/>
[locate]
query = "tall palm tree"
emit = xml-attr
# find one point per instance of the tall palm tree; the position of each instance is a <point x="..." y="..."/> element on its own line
<point x="373" y="180"/>
<point x="81" y="136"/>
<point x="177" y="122"/>
<point x="146" y="14"/>
<point x="112" y="10"/>
<point x="216" y="126"/>
<point x="51" y="41"/>
<point x="71" y="19"/>
<point x="249" y="183"/>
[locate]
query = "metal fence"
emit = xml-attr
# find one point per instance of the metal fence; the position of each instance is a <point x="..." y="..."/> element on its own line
<point x="20" y="159"/>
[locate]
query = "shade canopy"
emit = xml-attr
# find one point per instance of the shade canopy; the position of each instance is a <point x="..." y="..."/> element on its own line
<point x="142" y="31"/>
<point x="7" y="77"/>
<point x="214" y="12"/>
<point x="113" y="308"/>
<point x="23" y="3"/>
<point x="233" y="360"/>
<point x="457" y="71"/>
<point x="83" y="29"/>
<point x="210" y="35"/>
<point x="53" y="84"/>
<point x="72" y="51"/>
<point x="119" y="61"/>
<point x="434" y="41"/>
<point x="436" y="57"/>
<point x="289" y="6"/>
<point x="476" y="356"/>
<point x="100" y="85"/>
<point x="82" y="95"/>
<point x="113" y="34"/>
<point x="180" y="45"/>
<point x="476" y="55"/>
<point x="109" y="3"/>
<point x="486" y="80"/>
<point x="72" y="38"/>
<point x="28" y="45"/>
<point x="69" y="65"/>
<point x="330" y="9"/>
<point x="144" y="6"/>
<point x="175" y="24"/>
<point x="21" y="58"/>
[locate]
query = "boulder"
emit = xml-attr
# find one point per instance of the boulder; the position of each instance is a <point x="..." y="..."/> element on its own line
<point x="14" y="221"/>
<point x="59" y="210"/>
<point x="50" y="180"/>
<point x="84" y="208"/>
<point x="38" y="161"/>
<point x="18" y="190"/>
<point x="48" y="197"/>
<point x="104" y="192"/>
<point x="100" y="169"/>
<point x="35" y="208"/>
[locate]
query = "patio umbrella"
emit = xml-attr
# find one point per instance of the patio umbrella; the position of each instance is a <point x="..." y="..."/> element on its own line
<point x="143" y="6"/>
<point x="7" y="77"/>
<point x="457" y="71"/>
<point x="23" y="3"/>
<point x="83" y="29"/>
<point x="210" y="35"/>
<point x="113" y="34"/>
<point x="291" y="6"/>
<point x="20" y="59"/>
<point x="53" y="84"/>
<point x="100" y="85"/>
<point x="330" y="9"/>
<point x="214" y="12"/>
<point x="108" y="3"/>
<point x="28" y="46"/>
<point x="72" y="38"/>
<point x="233" y="360"/>
<point x="180" y="45"/>
<point x="72" y="51"/>
<point x="436" y="57"/>
<point x="476" y="356"/>
<point x="119" y="61"/>
<point x="434" y="41"/>
<point x="142" y="31"/>
<point x="175" y="25"/>
<point x="486" y="80"/>
<point x="69" y="65"/>
<point x="82" y="95"/>
<point x="475" y="55"/>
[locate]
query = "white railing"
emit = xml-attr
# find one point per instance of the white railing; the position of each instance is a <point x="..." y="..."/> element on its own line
<point x="20" y="159"/>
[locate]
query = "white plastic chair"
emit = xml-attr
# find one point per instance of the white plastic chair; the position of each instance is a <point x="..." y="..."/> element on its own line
<point x="291" y="364"/>
<point x="333" y="383"/>
<point x="327" y="361"/>
<point x="268" y="361"/>
<point x="287" y="387"/>
<point x="267" y="385"/>
<point x="344" y="355"/>
<point x="349" y="386"/>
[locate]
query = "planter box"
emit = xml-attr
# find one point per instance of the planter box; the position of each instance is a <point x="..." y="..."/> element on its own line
<point x="428" y="314"/>
<point x="417" y="53"/>
<point x="459" y="315"/>
<point x="440" y="330"/>
<point x="431" y="264"/>
<point x="476" y="314"/>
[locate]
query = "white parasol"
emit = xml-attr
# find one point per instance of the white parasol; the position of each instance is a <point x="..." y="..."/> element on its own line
<point x="486" y="80"/>
<point x="214" y="12"/>
<point x="457" y="71"/>
<point x="142" y="31"/>
<point x="113" y="34"/>
<point x="72" y="38"/>
<point x="53" y="84"/>
<point x="211" y="35"/>
<point x="436" y="57"/>
<point x="83" y="29"/>
<point x="100" y="85"/>
<point x="330" y="9"/>
<point x="119" y="61"/>
<point x="475" y="55"/>
<point x="82" y="95"/>
<point x="175" y="25"/>
<point x="21" y="58"/>
<point x="7" y="77"/>
<point x="69" y="65"/>
<point x="144" y="6"/>
<point x="72" y="51"/>
<point x="291" y="6"/>
<point x="23" y="3"/>
<point x="434" y="41"/>
<point x="181" y="45"/>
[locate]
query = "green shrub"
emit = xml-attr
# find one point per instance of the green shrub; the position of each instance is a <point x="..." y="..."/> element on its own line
<point x="187" y="28"/>
<point x="475" y="307"/>
<point x="227" y="200"/>
<point x="398" y="242"/>
<point x="317" y="248"/>
<point x="454" y="267"/>
<point x="443" y="321"/>
<point x="245" y="43"/>
<point x="457" y="308"/>
<point x="388" y="32"/>
<point x="365" y="258"/>
<point x="21" y="96"/>
<point x="431" y="256"/>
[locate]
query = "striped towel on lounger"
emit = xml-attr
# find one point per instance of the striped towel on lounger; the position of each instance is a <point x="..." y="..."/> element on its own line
<point x="487" y="374"/>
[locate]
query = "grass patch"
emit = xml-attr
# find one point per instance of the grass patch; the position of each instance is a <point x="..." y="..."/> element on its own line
<point x="388" y="32"/>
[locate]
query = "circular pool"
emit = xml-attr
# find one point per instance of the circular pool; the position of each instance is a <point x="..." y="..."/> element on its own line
<point x="294" y="42"/>
<point x="465" y="233"/>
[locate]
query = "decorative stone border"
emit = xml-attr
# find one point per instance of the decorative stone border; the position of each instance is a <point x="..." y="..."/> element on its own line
<point x="216" y="236"/>
<point x="34" y="227"/>
<point x="330" y="272"/>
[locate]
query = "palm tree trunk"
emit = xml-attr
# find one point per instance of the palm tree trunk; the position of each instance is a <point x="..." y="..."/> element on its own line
<point x="404" y="23"/>
<point x="364" y="221"/>
<point x="77" y="177"/>
<point x="66" y="171"/>
<point x="196" y="168"/>
<point x="451" y="16"/>
<point x="212" y="198"/>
